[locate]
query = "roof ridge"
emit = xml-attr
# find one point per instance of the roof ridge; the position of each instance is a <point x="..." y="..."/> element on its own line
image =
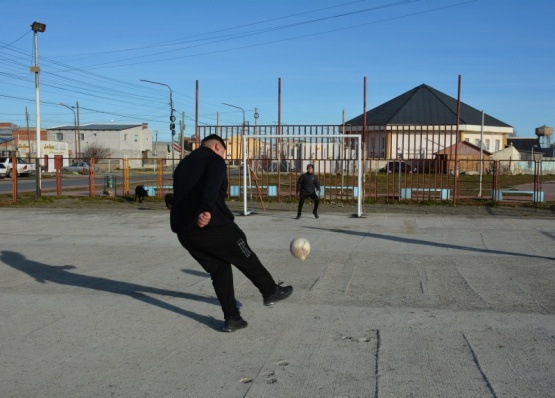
<point x="411" y="94"/>
<point x="435" y="94"/>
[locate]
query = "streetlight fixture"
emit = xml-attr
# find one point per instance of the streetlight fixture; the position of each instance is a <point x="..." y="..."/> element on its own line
<point x="74" y="125"/>
<point x="238" y="107"/>
<point x="172" y="117"/>
<point x="37" y="27"/>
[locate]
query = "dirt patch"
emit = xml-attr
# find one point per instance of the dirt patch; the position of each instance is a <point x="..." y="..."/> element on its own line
<point x="156" y="204"/>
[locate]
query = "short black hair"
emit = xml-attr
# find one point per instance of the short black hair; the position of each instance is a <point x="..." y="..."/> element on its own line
<point x="309" y="165"/>
<point x="214" y="137"/>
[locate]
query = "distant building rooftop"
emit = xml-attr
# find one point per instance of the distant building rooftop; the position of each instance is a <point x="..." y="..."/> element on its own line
<point x="99" y="127"/>
<point x="424" y="105"/>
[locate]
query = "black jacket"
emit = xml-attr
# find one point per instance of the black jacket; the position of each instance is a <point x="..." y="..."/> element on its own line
<point x="307" y="183"/>
<point x="200" y="184"/>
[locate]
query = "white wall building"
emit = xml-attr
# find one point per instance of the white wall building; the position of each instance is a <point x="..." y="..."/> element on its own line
<point x="124" y="141"/>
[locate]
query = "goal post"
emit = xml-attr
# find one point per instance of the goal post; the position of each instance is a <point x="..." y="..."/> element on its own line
<point x="314" y="137"/>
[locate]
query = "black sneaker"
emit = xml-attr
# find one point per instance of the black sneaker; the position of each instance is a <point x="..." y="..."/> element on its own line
<point x="298" y="216"/>
<point x="231" y="325"/>
<point x="281" y="293"/>
<point x="315" y="214"/>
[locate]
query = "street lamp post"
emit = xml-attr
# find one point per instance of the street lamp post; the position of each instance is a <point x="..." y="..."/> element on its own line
<point x="242" y="133"/>
<point x="172" y="117"/>
<point x="74" y="126"/>
<point x="37" y="27"/>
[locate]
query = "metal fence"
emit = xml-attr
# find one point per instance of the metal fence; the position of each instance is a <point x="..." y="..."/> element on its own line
<point x="416" y="173"/>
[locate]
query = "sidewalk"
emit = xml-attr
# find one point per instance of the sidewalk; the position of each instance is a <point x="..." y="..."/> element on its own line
<point x="102" y="303"/>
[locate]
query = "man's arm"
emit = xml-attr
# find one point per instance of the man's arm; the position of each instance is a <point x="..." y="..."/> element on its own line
<point x="300" y="183"/>
<point x="214" y="175"/>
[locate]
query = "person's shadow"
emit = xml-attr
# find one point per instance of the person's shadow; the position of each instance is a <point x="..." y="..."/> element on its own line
<point x="60" y="274"/>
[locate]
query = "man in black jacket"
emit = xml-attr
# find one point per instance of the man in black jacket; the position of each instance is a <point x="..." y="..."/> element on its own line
<point x="307" y="185"/>
<point x="205" y="227"/>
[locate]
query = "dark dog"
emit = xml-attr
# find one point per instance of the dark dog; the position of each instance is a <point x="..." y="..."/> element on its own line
<point x="169" y="200"/>
<point x="140" y="193"/>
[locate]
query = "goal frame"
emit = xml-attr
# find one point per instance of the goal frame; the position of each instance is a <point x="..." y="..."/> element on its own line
<point x="245" y="139"/>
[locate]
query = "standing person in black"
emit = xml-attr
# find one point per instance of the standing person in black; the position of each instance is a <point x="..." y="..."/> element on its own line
<point x="205" y="227"/>
<point x="307" y="185"/>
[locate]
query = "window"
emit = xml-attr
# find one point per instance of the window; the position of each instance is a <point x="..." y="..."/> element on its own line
<point x="487" y="145"/>
<point x="82" y="136"/>
<point x="59" y="136"/>
<point x="497" y="145"/>
<point x="136" y="138"/>
<point x="477" y="142"/>
<point x="125" y="137"/>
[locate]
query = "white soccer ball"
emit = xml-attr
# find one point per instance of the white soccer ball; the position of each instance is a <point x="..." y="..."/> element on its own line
<point x="300" y="248"/>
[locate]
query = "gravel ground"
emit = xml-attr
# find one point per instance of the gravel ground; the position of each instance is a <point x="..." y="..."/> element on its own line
<point x="462" y="210"/>
<point x="473" y="210"/>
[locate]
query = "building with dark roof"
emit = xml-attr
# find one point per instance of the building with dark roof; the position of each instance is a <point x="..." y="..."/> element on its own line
<point x="423" y="121"/>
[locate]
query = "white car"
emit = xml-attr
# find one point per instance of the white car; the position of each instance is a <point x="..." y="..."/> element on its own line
<point x="22" y="166"/>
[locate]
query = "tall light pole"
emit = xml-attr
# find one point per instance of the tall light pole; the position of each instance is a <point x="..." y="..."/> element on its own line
<point x="74" y="126"/>
<point x="172" y="117"/>
<point x="37" y="27"/>
<point x="242" y="134"/>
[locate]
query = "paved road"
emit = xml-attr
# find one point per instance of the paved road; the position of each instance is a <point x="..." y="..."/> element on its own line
<point x="71" y="182"/>
<point x="101" y="303"/>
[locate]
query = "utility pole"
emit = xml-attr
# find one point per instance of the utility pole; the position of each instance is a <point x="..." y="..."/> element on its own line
<point x="78" y="129"/>
<point x="181" y="133"/>
<point x="28" y="137"/>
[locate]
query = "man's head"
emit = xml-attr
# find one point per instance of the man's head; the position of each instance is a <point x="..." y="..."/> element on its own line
<point x="216" y="143"/>
<point x="310" y="168"/>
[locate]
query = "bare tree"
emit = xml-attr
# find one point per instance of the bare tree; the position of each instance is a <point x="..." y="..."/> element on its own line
<point x="96" y="151"/>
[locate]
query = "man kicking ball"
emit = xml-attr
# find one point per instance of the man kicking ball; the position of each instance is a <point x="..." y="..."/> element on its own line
<point x="205" y="227"/>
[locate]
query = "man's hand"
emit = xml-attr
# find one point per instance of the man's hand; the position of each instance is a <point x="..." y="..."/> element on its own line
<point x="203" y="219"/>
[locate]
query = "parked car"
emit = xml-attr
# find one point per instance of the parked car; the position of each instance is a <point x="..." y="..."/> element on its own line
<point x="79" y="167"/>
<point x="23" y="167"/>
<point x="398" y="166"/>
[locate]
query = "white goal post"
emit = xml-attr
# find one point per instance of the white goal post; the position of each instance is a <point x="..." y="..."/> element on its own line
<point x="358" y="137"/>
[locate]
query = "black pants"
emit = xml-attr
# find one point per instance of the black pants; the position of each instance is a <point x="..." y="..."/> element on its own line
<point x="216" y="249"/>
<point x="302" y="198"/>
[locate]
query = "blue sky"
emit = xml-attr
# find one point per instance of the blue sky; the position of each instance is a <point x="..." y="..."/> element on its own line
<point x="96" y="53"/>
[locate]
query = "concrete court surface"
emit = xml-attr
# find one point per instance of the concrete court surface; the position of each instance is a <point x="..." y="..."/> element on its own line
<point x="106" y="303"/>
